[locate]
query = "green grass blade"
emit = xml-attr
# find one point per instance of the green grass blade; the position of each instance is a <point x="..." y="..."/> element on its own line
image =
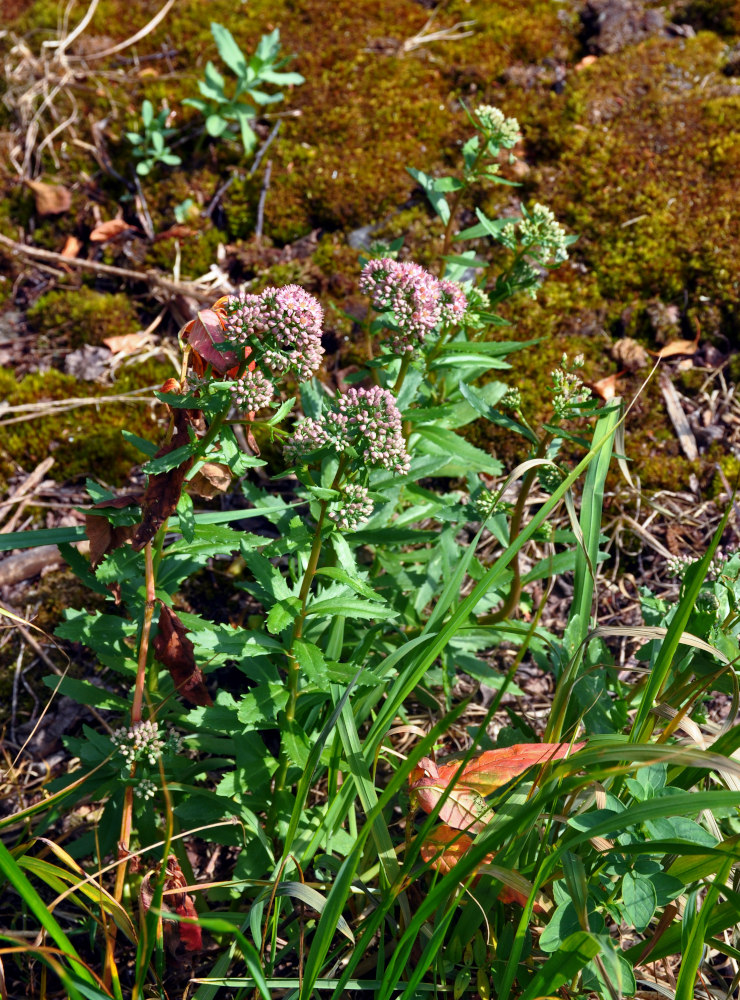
<point x="563" y="965"/>
<point x="15" y="876"/>
<point x="592" y="503"/>
<point x="643" y="724"/>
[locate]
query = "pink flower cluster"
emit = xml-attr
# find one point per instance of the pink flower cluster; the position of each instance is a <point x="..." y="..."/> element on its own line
<point x="418" y="301"/>
<point x="281" y="325"/>
<point x="252" y="391"/>
<point x="365" y="420"/>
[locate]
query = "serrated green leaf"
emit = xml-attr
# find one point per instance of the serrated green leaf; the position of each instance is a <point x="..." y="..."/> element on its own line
<point x="350" y="607"/>
<point x="262" y="704"/>
<point x="281" y="614"/>
<point x="362" y="588"/>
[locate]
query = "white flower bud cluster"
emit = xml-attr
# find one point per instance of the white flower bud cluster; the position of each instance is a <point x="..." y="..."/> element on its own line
<point x="678" y="565"/>
<point x="141" y="741"/>
<point x="145" y="789"/>
<point x="542" y="236"/>
<point x="569" y="392"/>
<point x="499" y="129"/>
<point x="511" y="399"/>
<point x="353" y="509"/>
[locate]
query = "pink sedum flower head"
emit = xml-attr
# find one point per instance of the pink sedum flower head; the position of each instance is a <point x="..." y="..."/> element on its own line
<point x="252" y="392"/>
<point x="410" y="293"/>
<point x="454" y="302"/>
<point x="283" y="327"/>
<point x="366" y="420"/>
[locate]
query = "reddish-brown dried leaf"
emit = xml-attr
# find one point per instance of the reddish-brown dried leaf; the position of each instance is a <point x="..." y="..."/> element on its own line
<point x="51" y="199"/>
<point x="174" y="900"/>
<point x="72" y="247"/>
<point x="190" y="934"/>
<point x="126" y="343"/>
<point x="164" y="488"/>
<point x="174" y="650"/>
<point x="178" y="232"/>
<point x="202" y="333"/>
<point x="104" y="537"/>
<point x="605" y="388"/>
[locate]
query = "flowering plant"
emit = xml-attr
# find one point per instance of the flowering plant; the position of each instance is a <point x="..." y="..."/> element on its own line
<point x="366" y="568"/>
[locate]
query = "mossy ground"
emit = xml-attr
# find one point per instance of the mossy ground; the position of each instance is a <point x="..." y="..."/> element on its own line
<point x="85" y="440"/>
<point x="638" y="153"/>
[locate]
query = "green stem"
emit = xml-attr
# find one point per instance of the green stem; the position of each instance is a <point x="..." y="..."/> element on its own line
<point x="405" y="362"/>
<point x="512" y="599"/>
<point x="293" y="665"/>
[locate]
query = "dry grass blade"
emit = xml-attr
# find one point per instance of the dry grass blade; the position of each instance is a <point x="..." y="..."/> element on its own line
<point x="678" y="418"/>
<point x="655" y="632"/>
<point x="133" y="39"/>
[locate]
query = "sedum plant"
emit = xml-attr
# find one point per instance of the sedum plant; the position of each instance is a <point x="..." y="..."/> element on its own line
<point x="372" y="566"/>
<point x="256" y="77"/>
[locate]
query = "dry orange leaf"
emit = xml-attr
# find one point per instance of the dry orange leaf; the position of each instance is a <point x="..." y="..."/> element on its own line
<point x="605" y="388"/>
<point x="51" y="199"/>
<point x="466" y="807"/>
<point x="105" y="231"/>
<point x="444" y="847"/>
<point x="126" y="343"/>
<point x="71" y="247"/>
<point x="676" y="347"/>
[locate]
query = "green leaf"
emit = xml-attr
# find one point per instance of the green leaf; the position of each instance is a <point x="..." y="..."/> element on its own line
<point x="362" y="588"/>
<point x="313" y="898"/>
<point x="216" y="125"/>
<point x="44" y="536"/>
<point x="464" y="457"/>
<point x="564" y="965"/>
<point x="639" y="900"/>
<point x="434" y="194"/>
<point x="262" y="704"/>
<point x="186" y="519"/>
<point x="282" y="613"/>
<point x="281" y="412"/>
<point x="351" y="607"/>
<point x="228" y="49"/>
<point x="249" y="137"/>
<point x="85" y="693"/>
<point x="172" y="460"/>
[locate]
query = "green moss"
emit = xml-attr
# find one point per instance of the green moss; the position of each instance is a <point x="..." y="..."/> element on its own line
<point x="74" y="317"/>
<point x="86" y="440"/>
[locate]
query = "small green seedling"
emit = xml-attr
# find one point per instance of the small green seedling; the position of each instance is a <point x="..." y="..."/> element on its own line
<point x="252" y="75"/>
<point x="150" y="145"/>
